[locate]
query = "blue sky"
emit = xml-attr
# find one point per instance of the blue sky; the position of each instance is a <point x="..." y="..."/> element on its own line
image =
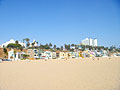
<point x="60" y="21"/>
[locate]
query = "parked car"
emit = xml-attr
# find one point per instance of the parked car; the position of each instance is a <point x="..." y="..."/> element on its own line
<point x="6" y="60"/>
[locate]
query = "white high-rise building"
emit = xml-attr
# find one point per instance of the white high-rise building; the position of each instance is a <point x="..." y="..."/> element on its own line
<point x="89" y="41"/>
<point x="85" y="41"/>
<point x="95" y="42"/>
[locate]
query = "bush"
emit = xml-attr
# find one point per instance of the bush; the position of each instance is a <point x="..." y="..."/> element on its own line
<point x="13" y="45"/>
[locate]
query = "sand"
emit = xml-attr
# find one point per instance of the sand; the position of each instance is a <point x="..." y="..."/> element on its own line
<point x="73" y="74"/>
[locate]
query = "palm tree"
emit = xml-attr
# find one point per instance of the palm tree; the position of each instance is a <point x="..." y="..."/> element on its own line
<point x="72" y="45"/>
<point x="27" y="40"/>
<point x="46" y="46"/>
<point x="23" y="40"/>
<point x="54" y="46"/>
<point x="76" y="46"/>
<point x="50" y="44"/>
<point x="61" y="47"/>
<point x="67" y="47"/>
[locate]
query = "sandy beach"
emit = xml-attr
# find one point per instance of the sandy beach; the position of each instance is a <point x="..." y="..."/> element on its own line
<point x="73" y="74"/>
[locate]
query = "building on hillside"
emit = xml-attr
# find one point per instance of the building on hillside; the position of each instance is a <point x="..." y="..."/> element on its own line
<point x="34" y="53"/>
<point x="35" y="43"/>
<point x="67" y="55"/>
<point x="57" y="54"/>
<point x="4" y="45"/>
<point x="53" y="55"/>
<point x="47" y="55"/>
<point x="61" y="55"/>
<point x="90" y="42"/>
<point x="15" y="55"/>
<point x="74" y="54"/>
<point x="30" y="53"/>
<point x="11" y="55"/>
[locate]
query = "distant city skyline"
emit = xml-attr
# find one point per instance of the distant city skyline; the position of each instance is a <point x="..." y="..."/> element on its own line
<point x="60" y="21"/>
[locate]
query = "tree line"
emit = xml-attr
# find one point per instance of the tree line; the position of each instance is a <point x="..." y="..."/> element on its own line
<point x="52" y="47"/>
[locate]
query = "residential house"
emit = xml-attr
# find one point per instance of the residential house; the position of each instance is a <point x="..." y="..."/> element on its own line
<point x="74" y="54"/>
<point x="53" y="55"/>
<point x="57" y="54"/>
<point x="15" y="55"/>
<point x="46" y="55"/>
<point x="61" y="55"/>
<point x="33" y="54"/>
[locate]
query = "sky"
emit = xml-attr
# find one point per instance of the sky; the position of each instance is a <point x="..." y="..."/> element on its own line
<point x="60" y="21"/>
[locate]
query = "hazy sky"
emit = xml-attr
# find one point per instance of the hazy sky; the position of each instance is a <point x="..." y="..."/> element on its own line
<point x="60" y="21"/>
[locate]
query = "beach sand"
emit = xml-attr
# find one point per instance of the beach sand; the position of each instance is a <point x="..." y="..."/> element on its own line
<point x="73" y="74"/>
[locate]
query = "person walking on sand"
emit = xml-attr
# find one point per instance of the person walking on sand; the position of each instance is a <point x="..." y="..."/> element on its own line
<point x="65" y="58"/>
<point x="98" y="58"/>
<point x="93" y="58"/>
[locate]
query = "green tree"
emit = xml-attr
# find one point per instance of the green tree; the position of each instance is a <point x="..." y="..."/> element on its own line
<point x="41" y="46"/>
<point x="106" y="48"/>
<point x="33" y="44"/>
<point x="21" y="48"/>
<point x="72" y="44"/>
<point x="83" y="47"/>
<point x="76" y="46"/>
<point x="54" y="46"/>
<point x="47" y="46"/>
<point x="90" y="48"/>
<point x="27" y="40"/>
<point x="13" y="45"/>
<point x="67" y="47"/>
<point x="25" y="56"/>
<point x="72" y="50"/>
<point x="16" y="42"/>
<point x="58" y="48"/>
<point x="50" y="45"/>
<point x="5" y="50"/>
<point x="61" y="48"/>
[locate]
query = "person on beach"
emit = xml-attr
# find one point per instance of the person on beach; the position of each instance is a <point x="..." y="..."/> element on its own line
<point x="98" y="58"/>
<point x="65" y="58"/>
